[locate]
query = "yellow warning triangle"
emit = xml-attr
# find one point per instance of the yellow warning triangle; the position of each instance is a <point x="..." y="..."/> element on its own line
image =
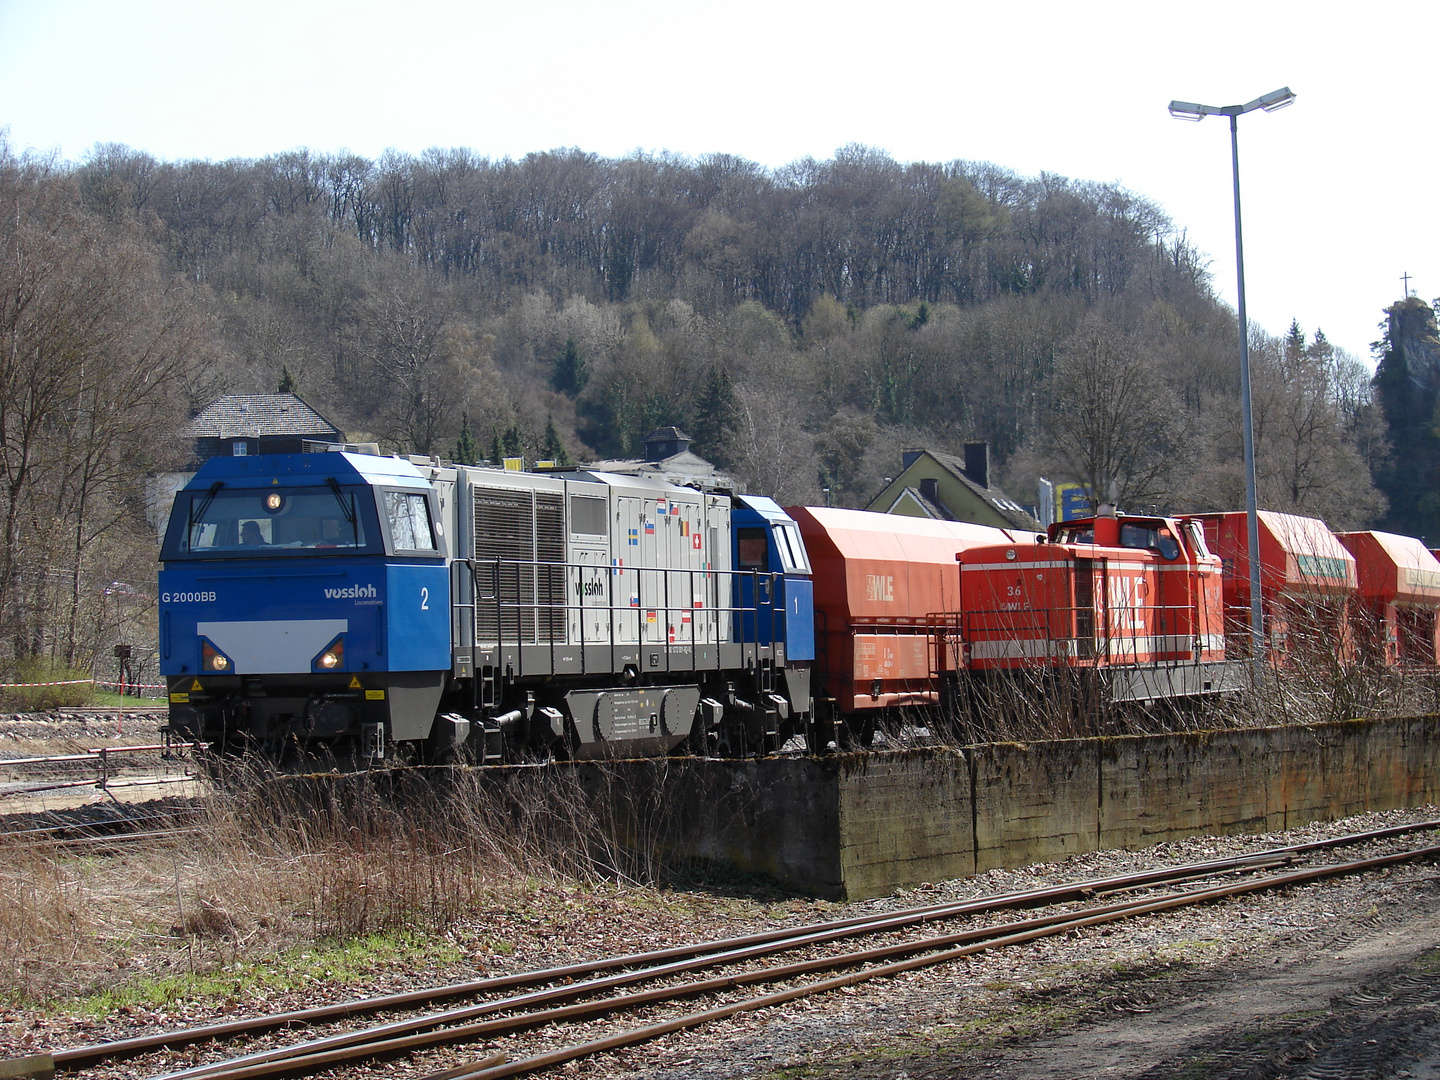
<point x="354" y="683"/>
<point x="196" y="685"/>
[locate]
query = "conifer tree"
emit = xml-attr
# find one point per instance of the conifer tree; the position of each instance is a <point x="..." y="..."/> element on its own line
<point x="1406" y="384"/>
<point x="554" y="448"/>
<point x="571" y="372"/>
<point x="467" y="450"/>
<point x="716" y="416"/>
<point x="287" y="381"/>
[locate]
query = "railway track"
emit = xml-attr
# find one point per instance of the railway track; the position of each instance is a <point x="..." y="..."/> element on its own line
<point x="103" y="767"/>
<point x="101" y="833"/>
<point x="746" y="974"/>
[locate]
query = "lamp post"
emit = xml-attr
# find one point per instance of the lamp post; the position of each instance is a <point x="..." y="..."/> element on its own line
<point x="1188" y="110"/>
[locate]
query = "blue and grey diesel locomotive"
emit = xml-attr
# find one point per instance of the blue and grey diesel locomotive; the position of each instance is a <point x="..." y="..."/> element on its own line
<point x="392" y="608"/>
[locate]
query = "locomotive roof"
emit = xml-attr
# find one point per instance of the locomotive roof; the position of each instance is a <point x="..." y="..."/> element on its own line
<point x="768" y="509"/>
<point x="296" y="470"/>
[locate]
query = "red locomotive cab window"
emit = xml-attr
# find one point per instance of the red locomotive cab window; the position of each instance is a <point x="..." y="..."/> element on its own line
<point x="1196" y="537"/>
<point x="753" y="549"/>
<point x="1152" y="538"/>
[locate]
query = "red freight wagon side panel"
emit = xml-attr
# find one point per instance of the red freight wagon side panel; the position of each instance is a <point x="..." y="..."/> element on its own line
<point x="1299" y="556"/>
<point x="1400" y="590"/>
<point x="1307" y="582"/>
<point x="877" y="578"/>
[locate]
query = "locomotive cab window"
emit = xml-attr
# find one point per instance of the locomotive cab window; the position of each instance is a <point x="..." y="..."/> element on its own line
<point x="792" y="551"/>
<point x="1197" y="539"/>
<point x="752" y="549"/>
<point x="408" y="515"/>
<point x="1157" y="538"/>
<point x="243" y="524"/>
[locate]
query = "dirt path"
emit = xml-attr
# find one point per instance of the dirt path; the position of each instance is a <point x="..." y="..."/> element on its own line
<point x="1350" y="997"/>
<point x="1367" y="1006"/>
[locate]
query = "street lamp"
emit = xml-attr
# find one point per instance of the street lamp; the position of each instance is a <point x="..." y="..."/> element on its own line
<point x="1188" y="110"/>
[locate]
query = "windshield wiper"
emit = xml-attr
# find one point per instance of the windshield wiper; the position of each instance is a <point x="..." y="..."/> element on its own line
<point x="348" y="509"/>
<point x="196" y="513"/>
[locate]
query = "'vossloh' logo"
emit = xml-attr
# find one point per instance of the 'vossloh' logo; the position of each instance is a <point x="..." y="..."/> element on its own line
<point x="353" y="592"/>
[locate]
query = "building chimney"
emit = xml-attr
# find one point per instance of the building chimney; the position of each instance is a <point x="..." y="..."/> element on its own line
<point x="930" y="488"/>
<point x="977" y="463"/>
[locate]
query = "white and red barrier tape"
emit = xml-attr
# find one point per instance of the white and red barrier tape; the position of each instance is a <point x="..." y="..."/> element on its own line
<point x="80" y="682"/>
<point x="67" y="682"/>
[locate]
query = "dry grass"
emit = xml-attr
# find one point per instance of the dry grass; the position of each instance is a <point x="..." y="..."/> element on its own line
<point x="1318" y="681"/>
<point x="286" y="863"/>
<point x="291" y="866"/>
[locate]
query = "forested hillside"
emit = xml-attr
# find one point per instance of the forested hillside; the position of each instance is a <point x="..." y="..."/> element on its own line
<point x="803" y="324"/>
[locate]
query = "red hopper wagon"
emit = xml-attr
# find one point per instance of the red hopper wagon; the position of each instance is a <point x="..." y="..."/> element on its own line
<point x="1307" y="582"/>
<point x="1400" y="593"/>
<point x="879" y="580"/>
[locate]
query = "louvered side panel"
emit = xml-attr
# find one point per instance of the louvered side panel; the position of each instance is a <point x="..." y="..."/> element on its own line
<point x="550" y="533"/>
<point x="505" y="553"/>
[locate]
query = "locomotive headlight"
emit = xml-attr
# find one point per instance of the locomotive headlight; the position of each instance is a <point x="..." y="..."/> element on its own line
<point x="333" y="656"/>
<point x="212" y="659"/>
<point x="274" y="502"/>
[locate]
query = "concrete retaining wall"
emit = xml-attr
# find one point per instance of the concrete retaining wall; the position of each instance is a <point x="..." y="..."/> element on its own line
<point x="863" y="825"/>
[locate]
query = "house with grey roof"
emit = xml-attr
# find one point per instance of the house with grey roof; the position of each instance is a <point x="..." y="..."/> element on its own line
<point x="237" y="425"/>
<point x="950" y="488"/>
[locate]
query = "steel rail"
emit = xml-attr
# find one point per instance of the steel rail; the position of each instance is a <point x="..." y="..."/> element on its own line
<point x="92" y="753"/>
<point x="356" y="1047"/>
<point x="880" y="924"/>
<point x="88" y="1055"/>
<point x="371" y="1044"/>
<point x="401" y="1036"/>
<point x="82" y="1056"/>
<point x="89" y="830"/>
<point x="484" y="1071"/>
<point x="24" y="787"/>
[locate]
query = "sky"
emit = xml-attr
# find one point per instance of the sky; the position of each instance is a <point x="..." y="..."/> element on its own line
<point x="1334" y="189"/>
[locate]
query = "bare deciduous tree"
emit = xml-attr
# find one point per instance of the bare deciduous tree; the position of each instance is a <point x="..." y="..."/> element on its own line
<point x="1113" y="423"/>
